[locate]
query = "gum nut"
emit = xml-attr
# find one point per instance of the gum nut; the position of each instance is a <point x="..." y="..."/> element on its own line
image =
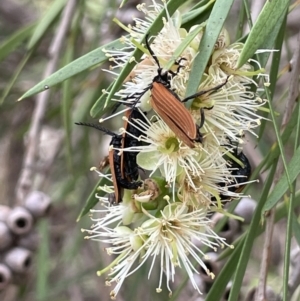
<point x="19" y="260"/>
<point x="20" y="220"/>
<point x="5" y="276"/>
<point x="38" y="203"/>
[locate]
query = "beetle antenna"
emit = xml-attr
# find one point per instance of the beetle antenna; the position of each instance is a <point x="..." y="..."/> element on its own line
<point x="97" y="127"/>
<point x="151" y="51"/>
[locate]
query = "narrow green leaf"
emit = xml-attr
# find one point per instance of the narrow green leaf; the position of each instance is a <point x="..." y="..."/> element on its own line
<point x="15" y="76"/>
<point x="11" y="43"/>
<point x="123" y="3"/>
<point x="280" y="144"/>
<point x="278" y="34"/>
<point x="211" y="33"/>
<point x="46" y="21"/>
<point x="92" y="200"/>
<point x="268" y="18"/>
<point x="281" y="212"/>
<point x="219" y="285"/>
<point x="241" y="22"/>
<point x="274" y="151"/>
<point x="85" y="62"/>
<point x="249" y="240"/>
<point x="100" y="108"/>
<point x="282" y="186"/>
<point x="137" y="54"/>
<point x="196" y="12"/>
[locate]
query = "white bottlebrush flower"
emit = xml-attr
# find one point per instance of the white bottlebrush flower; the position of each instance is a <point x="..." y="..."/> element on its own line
<point x="128" y="247"/>
<point x="171" y="240"/>
<point x="224" y="62"/>
<point x="163" y="150"/>
<point x="198" y="191"/>
<point x="163" y="46"/>
<point x="125" y="212"/>
<point x="229" y="112"/>
<point x="233" y="106"/>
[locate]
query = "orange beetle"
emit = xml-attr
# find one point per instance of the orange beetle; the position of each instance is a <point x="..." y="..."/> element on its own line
<point x="120" y="171"/>
<point x="170" y="107"/>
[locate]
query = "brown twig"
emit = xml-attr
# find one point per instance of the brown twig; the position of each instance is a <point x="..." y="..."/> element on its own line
<point x="27" y="173"/>
<point x="290" y="104"/>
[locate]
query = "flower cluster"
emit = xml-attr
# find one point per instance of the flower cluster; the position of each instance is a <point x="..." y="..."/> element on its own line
<point x="166" y="217"/>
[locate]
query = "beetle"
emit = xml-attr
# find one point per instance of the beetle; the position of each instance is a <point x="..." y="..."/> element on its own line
<point x="240" y="172"/>
<point x="128" y="141"/>
<point x="170" y="107"/>
<point x="117" y="166"/>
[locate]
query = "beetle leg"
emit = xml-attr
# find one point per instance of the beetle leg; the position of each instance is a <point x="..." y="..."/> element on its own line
<point x="202" y="119"/>
<point x="179" y="66"/>
<point x="202" y="116"/>
<point x="206" y="91"/>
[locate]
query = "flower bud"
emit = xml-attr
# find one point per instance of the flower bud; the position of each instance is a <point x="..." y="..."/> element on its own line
<point x="5" y="276"/>
<point x="19" y="260"/>
<point x="38" y="203"/>
<point x="19" y="220"/>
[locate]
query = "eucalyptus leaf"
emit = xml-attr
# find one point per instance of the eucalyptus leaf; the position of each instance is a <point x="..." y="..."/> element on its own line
<point x="85" y="62"/>
<point x="268" y="44"/>
<point x="241" y="265"/>
<point x="11" y="43"/>
<point x="213" y="28"/>
<point x="92" y="200"/>
<point x="282" y="185"/>
<point x="274" y="151"/>
<point x="46" y="22"/>
<point x="195" y="13"/>
<point x="15" y="76"/>
<point x="271" y="13"/>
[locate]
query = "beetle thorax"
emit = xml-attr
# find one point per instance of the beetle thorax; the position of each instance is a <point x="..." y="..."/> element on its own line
<point x="162" y="77"/>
